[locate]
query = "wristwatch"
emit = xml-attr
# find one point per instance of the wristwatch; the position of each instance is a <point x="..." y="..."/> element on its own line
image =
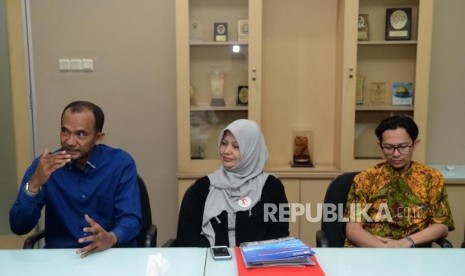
<point x="412" y="243"/>
<point x="28" y="192"/>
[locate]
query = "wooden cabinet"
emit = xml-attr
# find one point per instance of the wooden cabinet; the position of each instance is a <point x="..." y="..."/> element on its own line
<point x="298" y="78"/>
<point x="456" y="194"/>
<point x="301" y="72"/>
<point x="289" y="69"/>
<point x="312" y="194"/>
<point x="381" y="61"/>
<point x="292" y="188"/>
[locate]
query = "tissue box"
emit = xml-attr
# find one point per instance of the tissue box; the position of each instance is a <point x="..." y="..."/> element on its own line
<point x="402" y="93"/>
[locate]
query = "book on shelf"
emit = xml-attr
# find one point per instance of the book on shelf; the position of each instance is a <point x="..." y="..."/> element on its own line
<point x="288" y="251"/>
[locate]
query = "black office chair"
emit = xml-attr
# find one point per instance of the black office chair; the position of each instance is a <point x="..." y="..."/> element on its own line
<point x="173" y="242"/>
<point x="463" y="243"/>
<point x="333" y="234"/>
<point x="147" y="236"/>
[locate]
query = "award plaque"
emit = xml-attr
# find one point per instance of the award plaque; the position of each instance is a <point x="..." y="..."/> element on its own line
<point x="359" y="89"/>
<point x="242" y="95"/>
<point x="363" y="31"/>
<point x="220" y="31"/>
<point x="398" y="23"/>
<point x="196" y="30"/>
<point x="378" y="93"/>
<point x="243" y="30"/>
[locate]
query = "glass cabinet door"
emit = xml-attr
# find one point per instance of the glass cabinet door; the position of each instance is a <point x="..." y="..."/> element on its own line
<point x="215" y="72"/>
<point x="382" y="64"/>
<point x="218" y="69"/>
<point x="382" y="75"/>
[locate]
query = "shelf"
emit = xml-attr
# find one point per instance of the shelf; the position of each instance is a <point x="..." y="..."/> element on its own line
<point x="219" y="108"/>
<point x="388" y="42"/>
<point x="217" y="43"/>
<point x="383" y="107"/>
<point x="285" y="171"/>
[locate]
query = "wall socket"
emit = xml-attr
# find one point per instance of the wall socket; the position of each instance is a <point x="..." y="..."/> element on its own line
<point x="63" y="64"/>
<point x="87" y="64"/>
<point x="75" y="65"/>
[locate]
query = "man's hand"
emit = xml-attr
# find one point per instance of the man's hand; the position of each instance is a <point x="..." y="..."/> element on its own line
<point x="390" y="243"/>
<point x="48" y="163"/>
<point x="99" y="239"/>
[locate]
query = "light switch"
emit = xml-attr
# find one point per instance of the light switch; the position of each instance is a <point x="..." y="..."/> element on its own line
<point x="63" y="64"/>
<point x="75" y="64"/>
<point x="87" y="64"/>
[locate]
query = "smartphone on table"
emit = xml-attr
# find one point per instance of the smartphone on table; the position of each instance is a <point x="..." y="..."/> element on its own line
<point x="220" y="252"/>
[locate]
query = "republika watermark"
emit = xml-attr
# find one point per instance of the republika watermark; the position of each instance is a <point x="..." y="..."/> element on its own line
<point x="329" y="212"/>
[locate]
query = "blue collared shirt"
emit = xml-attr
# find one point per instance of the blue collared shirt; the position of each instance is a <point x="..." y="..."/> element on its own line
<point x="106" y="189"/>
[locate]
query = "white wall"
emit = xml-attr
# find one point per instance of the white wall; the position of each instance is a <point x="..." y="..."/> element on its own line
<point x="7" y="139"/>
<point x="446" y="116"/>
<point x="132" y="45"/>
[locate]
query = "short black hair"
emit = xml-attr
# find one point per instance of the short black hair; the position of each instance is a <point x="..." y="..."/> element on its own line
<point x="79" y="106"/>
<point x="395" y="122"/>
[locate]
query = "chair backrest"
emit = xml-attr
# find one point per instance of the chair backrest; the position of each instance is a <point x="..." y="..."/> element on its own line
<point x="146" y="215"/>
<point x="175" y="242"/>
<point x="336" y="194"/>
<point x="463" y="243"/>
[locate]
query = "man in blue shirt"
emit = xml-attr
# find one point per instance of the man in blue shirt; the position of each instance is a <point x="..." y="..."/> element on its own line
<point x="89" y="189"/>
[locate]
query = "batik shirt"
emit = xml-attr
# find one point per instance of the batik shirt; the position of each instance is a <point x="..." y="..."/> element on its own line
<point x="394" y="205"/>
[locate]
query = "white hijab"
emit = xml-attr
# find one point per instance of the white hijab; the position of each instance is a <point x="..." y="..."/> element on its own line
<point x="238" y="188"/>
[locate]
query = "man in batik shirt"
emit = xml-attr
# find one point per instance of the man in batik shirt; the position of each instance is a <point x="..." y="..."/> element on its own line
<point x="400" y="202"/>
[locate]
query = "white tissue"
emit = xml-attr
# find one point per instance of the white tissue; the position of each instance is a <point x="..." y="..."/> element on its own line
<point x="157" y="265"/>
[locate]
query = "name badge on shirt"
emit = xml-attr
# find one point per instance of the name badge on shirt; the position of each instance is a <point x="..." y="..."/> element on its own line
<point x="244" y="202"/>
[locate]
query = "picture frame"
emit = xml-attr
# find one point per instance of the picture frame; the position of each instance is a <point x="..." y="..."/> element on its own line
<point x="398" y="24"/>
<point x="363" y="27"/>
<point x="220" y="31"/>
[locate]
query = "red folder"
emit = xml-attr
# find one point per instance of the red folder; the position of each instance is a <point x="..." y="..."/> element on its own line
<point x="276" y="270"/>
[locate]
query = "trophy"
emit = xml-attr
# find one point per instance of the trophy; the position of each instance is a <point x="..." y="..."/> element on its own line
<point x="302" y="149"/>
<point x="359" y="89"/>
<point x="217" y="85"/>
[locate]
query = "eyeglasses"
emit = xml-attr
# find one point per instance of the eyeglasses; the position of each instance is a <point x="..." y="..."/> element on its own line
<point x="402" y="149"/>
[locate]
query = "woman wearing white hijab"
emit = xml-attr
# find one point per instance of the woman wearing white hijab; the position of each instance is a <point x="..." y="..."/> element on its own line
<point x="227" y="207"/>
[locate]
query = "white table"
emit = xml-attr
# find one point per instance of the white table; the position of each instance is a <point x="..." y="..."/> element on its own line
<point x="415" y="261"/>
<point x="198" y="261"/>
<point x="112" y="262"/>
<point x="221" y="267"/>
<point x="379" y="262"/>
<point x="452" y="173"/>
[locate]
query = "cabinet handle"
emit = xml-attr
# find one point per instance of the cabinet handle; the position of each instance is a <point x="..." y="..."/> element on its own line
<point x="351" y="72"/>
<point x="254" y="74"/>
